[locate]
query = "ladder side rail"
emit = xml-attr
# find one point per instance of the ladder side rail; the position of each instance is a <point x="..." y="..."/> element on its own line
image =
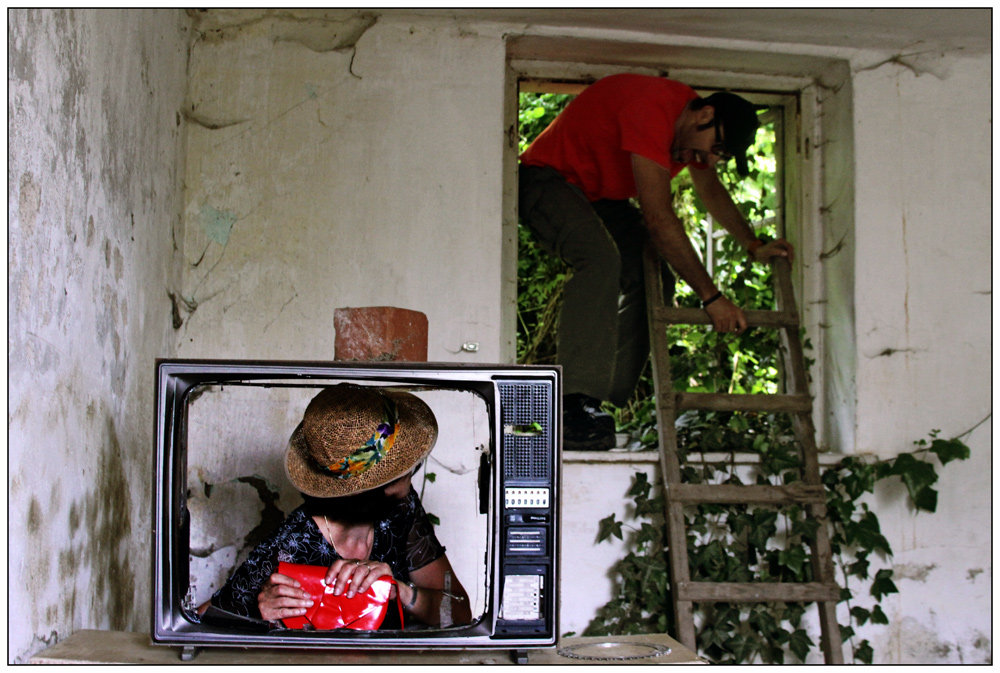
<point x="805" y="431"/>
<point x="669" y="463"/>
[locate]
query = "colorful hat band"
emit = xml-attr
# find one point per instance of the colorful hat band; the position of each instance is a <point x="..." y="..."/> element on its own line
<point x="371" y="452"/>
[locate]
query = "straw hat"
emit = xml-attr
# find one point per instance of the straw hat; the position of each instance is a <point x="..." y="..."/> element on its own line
<point x="353" y="439"/>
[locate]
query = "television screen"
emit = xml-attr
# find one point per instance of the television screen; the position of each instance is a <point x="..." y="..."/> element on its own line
<point x="489" y="488"/>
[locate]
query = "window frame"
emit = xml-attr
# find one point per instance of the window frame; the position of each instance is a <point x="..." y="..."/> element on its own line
<point x="799" y="179"/>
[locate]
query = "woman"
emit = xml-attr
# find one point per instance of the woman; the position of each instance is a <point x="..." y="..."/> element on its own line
<point x="352" y="458"/>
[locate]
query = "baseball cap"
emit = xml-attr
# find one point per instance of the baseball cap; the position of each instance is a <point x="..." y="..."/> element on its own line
<point x="739" y="123"/>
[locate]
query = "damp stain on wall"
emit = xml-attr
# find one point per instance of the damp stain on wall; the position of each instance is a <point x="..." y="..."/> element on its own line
<point x="217" y="224"/>
<point x="108" y="517"/>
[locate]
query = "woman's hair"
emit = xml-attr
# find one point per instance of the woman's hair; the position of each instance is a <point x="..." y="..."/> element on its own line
<point x="365" y="507"/>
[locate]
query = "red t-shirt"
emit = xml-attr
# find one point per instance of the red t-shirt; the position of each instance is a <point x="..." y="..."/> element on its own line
<point x="592" y="141"/>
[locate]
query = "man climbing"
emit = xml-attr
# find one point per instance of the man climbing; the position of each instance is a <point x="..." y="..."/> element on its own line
<point x="626" y="136"/>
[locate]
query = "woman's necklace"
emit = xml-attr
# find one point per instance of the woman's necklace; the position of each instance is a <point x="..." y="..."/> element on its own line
<point x="369" y="539"/>
<point x="329" y="534"/>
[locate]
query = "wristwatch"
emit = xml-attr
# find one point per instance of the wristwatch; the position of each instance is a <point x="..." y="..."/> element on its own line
<point x="413" y="599"/>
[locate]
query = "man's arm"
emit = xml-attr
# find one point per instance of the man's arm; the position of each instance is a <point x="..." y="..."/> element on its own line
<point x="721" y="207"/>
<point x="666" y="231"/>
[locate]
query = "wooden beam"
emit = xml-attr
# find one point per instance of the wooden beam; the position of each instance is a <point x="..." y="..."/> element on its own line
<point x="757" y="592"/>
<point x="727" y="402"/>
<point x="795" y="493"/>
<point x="698" y="316"/>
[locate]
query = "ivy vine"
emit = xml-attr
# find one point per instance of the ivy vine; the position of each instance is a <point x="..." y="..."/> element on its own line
<point x="730" y="543"/>
<point x="744" y="543"/>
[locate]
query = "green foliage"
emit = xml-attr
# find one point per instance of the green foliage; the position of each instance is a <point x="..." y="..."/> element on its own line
<point x="540" y="276"/>
<point x="429" y="477"/>
<point x="704" y="360"/>
<point x="763" y="544"/>
<point x="729" y="543"/>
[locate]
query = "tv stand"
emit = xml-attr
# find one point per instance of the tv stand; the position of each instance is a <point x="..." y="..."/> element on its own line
<point x="519" y="656"/>
<point x="124" y="647"/>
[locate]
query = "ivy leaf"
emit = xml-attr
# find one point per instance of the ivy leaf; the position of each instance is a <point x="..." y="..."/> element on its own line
<point x="433" y="519"/>
<point x="648" y="534"/>
<point x="806" y="528"/>
<point x="926" y="499"/>
<point x="864" y="652"/>
<point x="949" y="450"/>
<point x="799" y="644"/>
<point x="918" y="475"/>
<point x="431" y="477"/>
<point x="608" y="527"/>
<point x="860" y="566"/>
<point x="793" y="559"/>
<point x="878" y="617"/>
<point x="883" y="584"/>
<point x="641" y="486"/>
<point x="860" y="615"/>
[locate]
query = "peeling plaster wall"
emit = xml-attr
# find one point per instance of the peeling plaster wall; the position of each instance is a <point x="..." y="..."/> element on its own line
<point x="923" y="303"/>
<point x="360" y="169"/>
<point x="93" y="196"/>
<point x="356" y="160"/>
<point x="238" y="492"/>
<point x="361" y="165"/>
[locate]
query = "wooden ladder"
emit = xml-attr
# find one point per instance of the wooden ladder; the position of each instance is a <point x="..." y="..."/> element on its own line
<point x="809" y="492"/>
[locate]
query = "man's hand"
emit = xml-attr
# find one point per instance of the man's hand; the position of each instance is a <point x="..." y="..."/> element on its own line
<point x="726" y="316"/>
<point x="282" y="597"/>
<point x="779" y="247"/>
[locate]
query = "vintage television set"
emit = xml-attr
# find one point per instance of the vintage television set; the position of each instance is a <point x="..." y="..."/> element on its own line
<point x="491" y="486"/>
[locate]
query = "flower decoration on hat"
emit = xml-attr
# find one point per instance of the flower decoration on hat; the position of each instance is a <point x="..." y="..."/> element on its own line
<point x="372" y="451"/>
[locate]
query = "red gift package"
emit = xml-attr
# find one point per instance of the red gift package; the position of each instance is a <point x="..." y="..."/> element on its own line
<point x="363" y="612"/>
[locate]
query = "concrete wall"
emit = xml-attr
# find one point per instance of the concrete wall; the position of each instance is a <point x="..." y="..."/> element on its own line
<point x="923" y="301"/>
<point x="350" y="162"/>
<point x="360" y="169"/>
<point x="94" y="199"/>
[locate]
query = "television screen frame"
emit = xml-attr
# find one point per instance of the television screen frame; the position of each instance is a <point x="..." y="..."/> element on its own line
<point x="519" y="490"/>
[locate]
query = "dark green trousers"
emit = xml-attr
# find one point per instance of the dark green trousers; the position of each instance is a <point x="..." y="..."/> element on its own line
<point x="603" y="338"/>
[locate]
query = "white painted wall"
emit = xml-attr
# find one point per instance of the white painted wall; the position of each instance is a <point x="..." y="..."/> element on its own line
<point x="923" y="309"/>
<point x="320" y="176"/>
<point x="364" y="177"/>
<point x="93" y="199"/>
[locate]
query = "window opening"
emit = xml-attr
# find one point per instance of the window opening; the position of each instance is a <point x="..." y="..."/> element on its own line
<point x="702" y="360"/>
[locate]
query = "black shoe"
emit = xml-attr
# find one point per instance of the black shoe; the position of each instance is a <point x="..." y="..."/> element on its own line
<point x="585" y="426"/>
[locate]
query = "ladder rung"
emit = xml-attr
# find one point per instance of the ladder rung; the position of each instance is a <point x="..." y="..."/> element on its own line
<point x="794" y="493"/>
<point x="698" y="316"/>
<point x="754" y="592"/>
<point x="726" y="402"/>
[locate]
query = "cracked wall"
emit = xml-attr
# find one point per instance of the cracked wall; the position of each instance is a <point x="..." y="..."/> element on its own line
<point x="922" y="305"/>
<point x="334" y="161"/>
<point x="93" y="198"/>
<point x="357" y="162"/>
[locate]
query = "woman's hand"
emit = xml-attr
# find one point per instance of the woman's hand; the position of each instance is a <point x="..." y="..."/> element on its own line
<point x="282" y="597"/>
<point x="354" y="576"/>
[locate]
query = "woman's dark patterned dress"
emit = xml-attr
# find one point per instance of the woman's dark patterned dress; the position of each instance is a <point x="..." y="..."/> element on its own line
<point x="405" y="541"/>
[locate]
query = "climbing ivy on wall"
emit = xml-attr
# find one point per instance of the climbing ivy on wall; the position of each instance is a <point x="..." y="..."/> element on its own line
<point x="742" y="544"/>
<point x="728" y="543"/>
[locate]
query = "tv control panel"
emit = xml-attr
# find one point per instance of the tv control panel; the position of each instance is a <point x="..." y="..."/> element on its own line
<point x="529" y="469"/>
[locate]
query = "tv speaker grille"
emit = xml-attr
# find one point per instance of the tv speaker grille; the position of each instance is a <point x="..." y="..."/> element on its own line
<point x="526" y="403"/>
<point x="527" y="457"/>
<point x="527" y="406"/>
